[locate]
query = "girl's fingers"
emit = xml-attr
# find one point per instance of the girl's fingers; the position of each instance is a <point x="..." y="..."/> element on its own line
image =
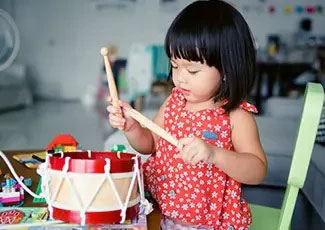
<point x="113" y="117"/>
<point x="116" y="124"/>
<point x="189" y="155"/>
<point x="186" y="151"/>
<point x="116" y="121"/>
<point x="185" y="141"/>
<point x="122" y="103"/>
<point x="184" y="145"/>
<point x="190" y="144"/>
<point x="125" y="106"/>
<point x="196" y="159"/>
<point x="113" y="109"/>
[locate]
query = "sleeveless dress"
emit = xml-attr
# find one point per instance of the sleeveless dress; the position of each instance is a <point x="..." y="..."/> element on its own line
<point x="198" y="194"/>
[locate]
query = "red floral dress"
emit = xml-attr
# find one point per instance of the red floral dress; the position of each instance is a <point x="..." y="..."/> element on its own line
<point x="199" y="194"/>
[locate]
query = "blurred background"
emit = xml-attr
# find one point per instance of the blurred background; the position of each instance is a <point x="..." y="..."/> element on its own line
<point x="58" y="57"/>
<point x="52" y="78"/>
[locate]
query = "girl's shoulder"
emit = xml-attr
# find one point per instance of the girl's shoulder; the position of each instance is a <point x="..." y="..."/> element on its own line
<point x="243" y="113"/>
<point x="244" y="108"/>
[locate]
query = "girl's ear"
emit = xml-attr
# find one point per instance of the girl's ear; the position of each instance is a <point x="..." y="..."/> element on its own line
<point x="224" y="77"/>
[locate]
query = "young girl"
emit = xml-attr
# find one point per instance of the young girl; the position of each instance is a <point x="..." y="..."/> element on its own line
<point x="212" y="57"/>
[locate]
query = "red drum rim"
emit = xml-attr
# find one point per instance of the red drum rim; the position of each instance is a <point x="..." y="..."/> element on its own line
<point x="80" y="162"/>
<point x="109" y="217"/>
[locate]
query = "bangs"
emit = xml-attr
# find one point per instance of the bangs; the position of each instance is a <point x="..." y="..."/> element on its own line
<point x="186" y="47"/>
<point x="183" y="40"/>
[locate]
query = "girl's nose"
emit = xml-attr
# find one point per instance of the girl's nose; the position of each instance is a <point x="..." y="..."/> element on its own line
<point x="181" y="77"/>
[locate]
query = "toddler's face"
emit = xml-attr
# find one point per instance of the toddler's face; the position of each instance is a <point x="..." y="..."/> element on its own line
<point x="198" y="82"/>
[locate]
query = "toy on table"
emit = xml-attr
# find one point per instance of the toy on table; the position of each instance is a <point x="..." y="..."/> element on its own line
<point x="31" y="160"/>
<point x="60" y="143"/>
<point x="63" y="143"/>
<point x="11" y="192"/>
<point x="93" y="187"/>
<point x="119" y="148"/>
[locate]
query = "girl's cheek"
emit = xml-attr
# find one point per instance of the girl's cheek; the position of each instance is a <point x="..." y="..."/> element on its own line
<point x="175" y="80"/>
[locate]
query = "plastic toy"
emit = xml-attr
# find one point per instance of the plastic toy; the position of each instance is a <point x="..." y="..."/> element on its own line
<point x="118" y="148"/>
<point x="31" y="160"/>
<point x="63" y="143"/>
<point x="28" y="182"/>
<point x="11" y="192"/>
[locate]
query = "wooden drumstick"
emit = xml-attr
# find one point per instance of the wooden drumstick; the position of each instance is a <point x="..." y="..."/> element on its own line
<point x="111" y="81"/>
<point x="153" y="127"/>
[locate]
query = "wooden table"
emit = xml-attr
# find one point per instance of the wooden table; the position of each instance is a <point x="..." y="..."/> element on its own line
<point x="153" y="218"/>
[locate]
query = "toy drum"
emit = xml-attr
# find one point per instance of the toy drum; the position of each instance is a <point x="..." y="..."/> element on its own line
<point x="92" y="187"/>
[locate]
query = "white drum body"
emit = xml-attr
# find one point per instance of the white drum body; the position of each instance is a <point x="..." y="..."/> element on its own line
<point x="92" y="187"/>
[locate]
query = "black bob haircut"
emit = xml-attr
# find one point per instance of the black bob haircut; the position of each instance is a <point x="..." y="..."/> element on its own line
<point x="216" y="33"/>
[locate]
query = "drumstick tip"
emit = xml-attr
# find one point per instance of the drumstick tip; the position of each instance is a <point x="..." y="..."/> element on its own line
<point x="104" y="51"/>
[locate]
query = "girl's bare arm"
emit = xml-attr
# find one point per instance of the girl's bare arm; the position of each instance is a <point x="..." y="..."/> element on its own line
<point x="142" y="139"/>
<point x="247" y="164"/>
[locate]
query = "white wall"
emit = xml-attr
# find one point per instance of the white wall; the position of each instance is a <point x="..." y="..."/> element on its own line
<point x="263" y="23"/>
<point x="61" y="39"/>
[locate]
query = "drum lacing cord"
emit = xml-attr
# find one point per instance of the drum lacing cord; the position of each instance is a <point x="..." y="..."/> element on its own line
<point x="65" y="176"/>
<point x="134" y="176"/>
<point x="78" y="199"/>
<point x="13" y="172"/>
<point x="107" y="169"/>
<point x="42" y="170"/>
<point x="84" y="209"/>
<point x="146" y="206"/>
<point x="62" y="153"/>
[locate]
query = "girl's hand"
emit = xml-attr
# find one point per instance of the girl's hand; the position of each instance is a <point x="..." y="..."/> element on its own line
<point x="195" y="150"/>
<point x="120" y="118"/>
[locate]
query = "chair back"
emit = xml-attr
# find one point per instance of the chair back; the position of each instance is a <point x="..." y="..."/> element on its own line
<point x="305" y="139"/>
<point x="306" y="134"/>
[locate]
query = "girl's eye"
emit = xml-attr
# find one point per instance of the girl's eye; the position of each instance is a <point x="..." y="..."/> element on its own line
<point x="193" y="72"/>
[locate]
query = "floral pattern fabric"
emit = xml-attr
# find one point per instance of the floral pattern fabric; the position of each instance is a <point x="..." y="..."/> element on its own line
<point x="169" y="224"/>
<point x="200" y="194"/>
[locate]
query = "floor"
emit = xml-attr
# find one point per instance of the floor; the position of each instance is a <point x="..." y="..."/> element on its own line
<point x="35" y="126"/>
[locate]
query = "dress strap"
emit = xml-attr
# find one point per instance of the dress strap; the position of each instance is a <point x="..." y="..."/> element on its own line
<point x="248" y="107"/>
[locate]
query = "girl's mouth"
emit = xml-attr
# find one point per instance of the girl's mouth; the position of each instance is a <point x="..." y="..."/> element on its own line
<point x="185" y="91"/>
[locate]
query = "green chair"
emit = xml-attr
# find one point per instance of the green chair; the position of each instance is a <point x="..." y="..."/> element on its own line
<point x="267" y="218"/>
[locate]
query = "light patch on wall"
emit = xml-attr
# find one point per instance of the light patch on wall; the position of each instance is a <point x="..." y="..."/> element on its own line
<point x="169" y="5"/>
<point x="114" y="4"/>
